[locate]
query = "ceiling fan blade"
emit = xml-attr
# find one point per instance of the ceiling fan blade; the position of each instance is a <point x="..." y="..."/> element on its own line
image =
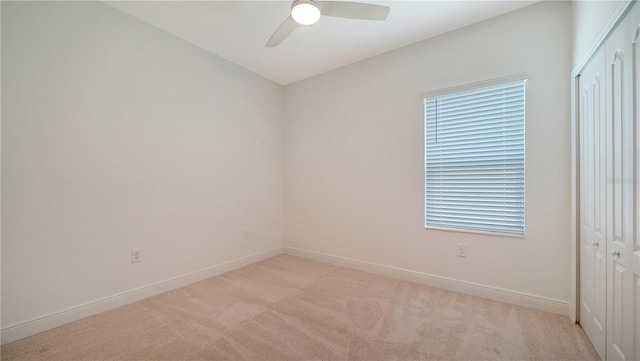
<point x="352" y="10"/>
<point x="281" y="33"/>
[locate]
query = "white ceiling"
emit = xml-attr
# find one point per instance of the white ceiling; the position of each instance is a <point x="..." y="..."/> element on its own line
<point x="237" y="31"/>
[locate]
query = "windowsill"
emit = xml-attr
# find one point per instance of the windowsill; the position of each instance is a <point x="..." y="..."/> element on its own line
<point x="476" y="231"/>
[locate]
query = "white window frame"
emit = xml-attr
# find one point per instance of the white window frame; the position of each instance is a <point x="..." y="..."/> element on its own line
<point x="463" y="88"/>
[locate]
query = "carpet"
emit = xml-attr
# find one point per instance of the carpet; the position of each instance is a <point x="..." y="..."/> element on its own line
<point x="291" y="308"/>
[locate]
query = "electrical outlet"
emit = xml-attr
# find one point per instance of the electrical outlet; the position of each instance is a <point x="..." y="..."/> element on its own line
<point x="136" y="255"/>
<point x="461" y="250"/>
<point x="246" y="234"/>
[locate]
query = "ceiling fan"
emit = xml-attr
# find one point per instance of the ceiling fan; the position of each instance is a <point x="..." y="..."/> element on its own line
<point x="307" y="12"/>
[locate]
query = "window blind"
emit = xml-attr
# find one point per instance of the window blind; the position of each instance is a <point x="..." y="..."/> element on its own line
<point x="474" y="159"/>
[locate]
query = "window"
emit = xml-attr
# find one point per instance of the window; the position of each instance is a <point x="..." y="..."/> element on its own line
<point x="474" y="159"/>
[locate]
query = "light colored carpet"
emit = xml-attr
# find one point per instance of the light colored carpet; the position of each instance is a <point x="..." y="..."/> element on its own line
<point x="290" y="308"/>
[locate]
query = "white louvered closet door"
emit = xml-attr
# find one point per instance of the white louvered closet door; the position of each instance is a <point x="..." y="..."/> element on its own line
<point x="593" y="211"/>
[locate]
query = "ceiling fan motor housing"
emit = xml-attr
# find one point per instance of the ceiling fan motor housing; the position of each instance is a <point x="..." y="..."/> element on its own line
<point x="312" y="2"/>
<point x="305" y="12"/>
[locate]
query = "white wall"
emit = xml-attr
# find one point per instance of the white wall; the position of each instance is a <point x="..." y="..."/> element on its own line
<point x="591" y="20"/>
<point x="354" y="155"/>
<point x="116" y="135"/>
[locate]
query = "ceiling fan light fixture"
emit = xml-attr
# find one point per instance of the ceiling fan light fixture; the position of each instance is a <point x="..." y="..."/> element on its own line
<point x="305" y="12"/>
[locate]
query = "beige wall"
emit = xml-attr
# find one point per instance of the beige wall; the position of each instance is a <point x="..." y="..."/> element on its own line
<point x="354" y="155"/>
<point x="116" y="135"/>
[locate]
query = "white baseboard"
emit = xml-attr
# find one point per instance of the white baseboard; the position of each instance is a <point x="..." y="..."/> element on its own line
<point x="475" y="289"/>
<point x="40" y="324"/>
